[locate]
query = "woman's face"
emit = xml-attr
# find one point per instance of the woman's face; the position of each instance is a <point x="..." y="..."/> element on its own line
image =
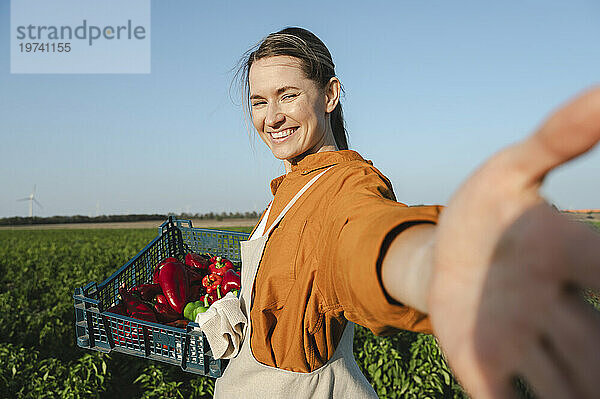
<point x="289" y="111"/>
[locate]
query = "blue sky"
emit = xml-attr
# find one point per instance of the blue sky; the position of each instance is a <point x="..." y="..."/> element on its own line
<point x="433" y="88"/>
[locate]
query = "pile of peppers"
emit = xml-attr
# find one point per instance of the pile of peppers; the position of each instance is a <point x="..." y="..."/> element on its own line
<point x="218" y="279"/>
<point x="179" y="290"/>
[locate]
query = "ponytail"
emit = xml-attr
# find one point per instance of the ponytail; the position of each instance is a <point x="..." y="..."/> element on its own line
<point x="339" y="128"/>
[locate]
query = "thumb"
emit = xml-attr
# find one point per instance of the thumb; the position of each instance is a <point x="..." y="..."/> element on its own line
<point x="568" y="133"/>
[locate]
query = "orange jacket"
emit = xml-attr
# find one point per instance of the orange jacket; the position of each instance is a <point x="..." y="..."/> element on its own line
<point x="320" y="266"/>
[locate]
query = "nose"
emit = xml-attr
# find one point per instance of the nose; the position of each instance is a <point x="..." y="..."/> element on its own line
<point x="274" y="116"/>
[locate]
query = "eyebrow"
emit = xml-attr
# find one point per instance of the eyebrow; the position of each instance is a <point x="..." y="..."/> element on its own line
<point x="279" y="91"/>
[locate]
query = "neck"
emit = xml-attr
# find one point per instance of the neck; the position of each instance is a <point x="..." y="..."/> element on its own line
<point x="288" y="163"/>
<point x="327" y="143"/>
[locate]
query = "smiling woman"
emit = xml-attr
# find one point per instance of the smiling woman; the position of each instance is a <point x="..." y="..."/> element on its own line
<point x="289" y="111"/>
<point x="335" y="248"/>
<point x="306" y="52"/>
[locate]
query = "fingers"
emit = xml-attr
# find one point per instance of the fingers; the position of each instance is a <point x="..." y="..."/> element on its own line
<point x="586" y="270"/>
<point x="568" y="133"/>
<point x="583" y="254"/>
<point x="544" y="375"/>
<point x="574" y="331"/>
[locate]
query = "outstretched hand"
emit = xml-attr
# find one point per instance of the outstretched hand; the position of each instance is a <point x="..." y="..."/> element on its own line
<point x="505" y="296"/>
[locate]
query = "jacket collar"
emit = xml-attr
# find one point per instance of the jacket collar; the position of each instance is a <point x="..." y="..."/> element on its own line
<point x="317" y="161"/>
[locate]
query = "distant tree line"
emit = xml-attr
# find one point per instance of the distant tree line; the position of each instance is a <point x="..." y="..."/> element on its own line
<point x="17" y="220"/>
<point x="218" y="216"/>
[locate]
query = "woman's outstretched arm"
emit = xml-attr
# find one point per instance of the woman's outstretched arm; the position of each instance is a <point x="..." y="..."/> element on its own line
<point x="407" y="266"/>
<point x="501" y="275"/>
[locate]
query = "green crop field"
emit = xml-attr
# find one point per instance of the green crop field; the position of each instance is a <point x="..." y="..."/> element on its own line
<point x="39" y="269"/>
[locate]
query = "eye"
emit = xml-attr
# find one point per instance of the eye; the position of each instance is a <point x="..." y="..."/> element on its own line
<point x="287" y="96"/>
<point x="258" y="103"/>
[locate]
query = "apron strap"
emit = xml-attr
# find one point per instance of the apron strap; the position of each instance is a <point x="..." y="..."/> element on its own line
<point x="292" y="202"/>
<point x="260" y="229"/>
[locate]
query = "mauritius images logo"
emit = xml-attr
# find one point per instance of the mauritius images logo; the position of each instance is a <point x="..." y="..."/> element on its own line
<point x="87" y="32"/>
<point x="80" y="36"/>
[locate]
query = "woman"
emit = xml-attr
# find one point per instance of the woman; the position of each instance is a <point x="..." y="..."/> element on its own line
<point x="334" y="248"/>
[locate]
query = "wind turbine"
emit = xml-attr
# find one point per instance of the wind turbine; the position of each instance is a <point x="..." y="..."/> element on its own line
<point x="31" y="200"/>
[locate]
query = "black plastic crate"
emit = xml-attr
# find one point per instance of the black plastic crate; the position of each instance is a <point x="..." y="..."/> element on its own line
<point x="104" y="331"/>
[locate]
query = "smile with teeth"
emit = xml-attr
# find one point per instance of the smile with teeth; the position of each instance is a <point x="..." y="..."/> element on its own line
<point x="283" y="133"/>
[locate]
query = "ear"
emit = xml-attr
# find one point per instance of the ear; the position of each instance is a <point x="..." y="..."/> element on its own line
<point x="332" y="94"/>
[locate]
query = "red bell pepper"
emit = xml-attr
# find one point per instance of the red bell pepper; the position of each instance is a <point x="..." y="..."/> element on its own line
<point x="159" y="266"/>
<point x="167" y="260"/>
<point x="213" y="296"/>
<point x="146" y="291"/>
<point x="165" y="313"/>
<point x="201" y="262"/>
<point x="211" y="282"/>
<point x="137" y="308"/>
<point x="118" y="309"/>
<point x="195" y="279"/>
<point x="174" y="283"/>
<point x="194" y="274"/>
<point x="196" y="289"/>
<point x="220" y="265"/>
<point x="231" y="282"/>
<point x="161" y="298"/>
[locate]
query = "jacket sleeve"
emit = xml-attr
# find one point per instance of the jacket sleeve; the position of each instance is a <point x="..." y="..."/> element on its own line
<point x="366" y="217"/>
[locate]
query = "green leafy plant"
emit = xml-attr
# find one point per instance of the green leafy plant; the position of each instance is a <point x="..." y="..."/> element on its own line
<point x="39" y="269"/>
<point x="405" y="365"/>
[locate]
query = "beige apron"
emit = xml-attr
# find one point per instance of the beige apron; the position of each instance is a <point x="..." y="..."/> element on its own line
<point x="245" y="377"/>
